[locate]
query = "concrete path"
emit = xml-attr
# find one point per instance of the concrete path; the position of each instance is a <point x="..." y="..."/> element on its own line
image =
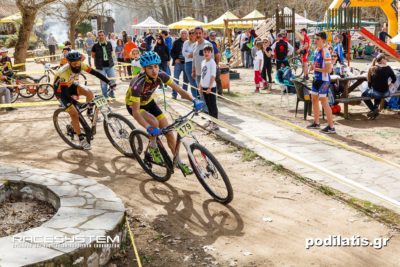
<point x="347" y="171"/>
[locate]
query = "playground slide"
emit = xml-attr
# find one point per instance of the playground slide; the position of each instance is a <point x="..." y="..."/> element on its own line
<point x="382" y="45"/>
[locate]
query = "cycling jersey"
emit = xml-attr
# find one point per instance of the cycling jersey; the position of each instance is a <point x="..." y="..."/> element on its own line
<point x="6" y="65"/>
<point x="322" y="57"/>
<point x="64" y="82"/>
<point x="142" y="87"/>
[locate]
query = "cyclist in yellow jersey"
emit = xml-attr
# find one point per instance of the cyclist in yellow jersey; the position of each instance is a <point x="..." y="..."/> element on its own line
<point x="67" y="90"/>
<point x="141" y="105"/>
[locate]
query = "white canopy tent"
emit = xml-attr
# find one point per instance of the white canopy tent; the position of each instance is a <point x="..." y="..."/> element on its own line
<point x="395" y="40"/>
<point x="150" y="24"/>
<point x="299" y="20"/>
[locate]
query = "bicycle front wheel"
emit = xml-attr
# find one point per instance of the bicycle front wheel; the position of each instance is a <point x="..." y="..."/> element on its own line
<point x="45" y="91"/>
<point x="139" y="141"/>
<point x="210" y="174"/>
<point x="62" y="123"/>
<point x="118" y="129"/>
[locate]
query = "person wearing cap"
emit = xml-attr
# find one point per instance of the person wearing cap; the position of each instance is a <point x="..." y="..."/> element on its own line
<point x="6" y="93"/>
<point x="322" y="66"/>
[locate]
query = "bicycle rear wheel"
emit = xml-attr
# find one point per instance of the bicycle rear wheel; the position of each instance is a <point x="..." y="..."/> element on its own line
<point x="62" y="123"/>
<point x="28" y="90"/>
<point x="139" y="141"/>
<point x="14" y="94"/>
<point x="45" y="91"/>
<point x="118" y="129"/>
<point x="210" y="174"/>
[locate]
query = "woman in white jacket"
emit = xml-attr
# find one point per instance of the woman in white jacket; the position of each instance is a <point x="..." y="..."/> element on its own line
<point x="187" y="52"/>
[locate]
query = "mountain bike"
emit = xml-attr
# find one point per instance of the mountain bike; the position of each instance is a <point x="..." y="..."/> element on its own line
<point x="27" y="86"/>
<point x="206" y="167"/>
<point x="50" y="72"/>
<point x="116" y="127"/>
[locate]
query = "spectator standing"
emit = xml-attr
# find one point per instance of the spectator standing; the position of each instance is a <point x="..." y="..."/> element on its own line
<point x="228" y="54"/>
<point x="304" y="51"/>
<point x="217" y="57"/>
<point x="187" y="51"/>
<point x="178" y="60"/>
<point x="338" y="48"/>
<point x="251" y="36"/>
<point x="198" y="56"/>
<point x="113" y="42"/>
<point x="52" y="44"/>
<point x="89" y="42"/>
<point x="162" y="50"/>
<point x="5" y="63"/>
<point x="167" y="40"/>
<point x="378" y="80"/>
<point x="149" y="39"/>
<point x="322" y="66"/>
<point x="267" y="67"/>
<point x="136" y="67"/>
<point x="129" y="45"/>
<point x="242" y="46"/>
<point x="281" y="50"/>
<point x="119" y="51"/>
<point x="207" y="83"/>
<point x="258" y="66"/>
<point x="103" y="61"/>
<point x="124" y="37"/>
<point x="383" y="34"/>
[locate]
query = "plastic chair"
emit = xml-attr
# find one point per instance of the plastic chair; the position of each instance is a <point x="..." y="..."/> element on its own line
<point x="284" y="86"/>
<point x="303" y="95"/>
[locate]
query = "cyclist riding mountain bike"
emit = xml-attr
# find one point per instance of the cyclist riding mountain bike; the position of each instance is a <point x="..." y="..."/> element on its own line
<point x="141" y="105"/>
<point x="67" y="90"/>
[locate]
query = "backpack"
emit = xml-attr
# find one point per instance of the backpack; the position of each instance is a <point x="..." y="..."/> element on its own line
<point x="281" y="50"/>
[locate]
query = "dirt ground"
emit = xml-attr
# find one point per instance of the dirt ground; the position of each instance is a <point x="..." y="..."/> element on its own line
<point x="177" y="224"/>
<point x="380" y="137"/>
<point x="18" y="215"/>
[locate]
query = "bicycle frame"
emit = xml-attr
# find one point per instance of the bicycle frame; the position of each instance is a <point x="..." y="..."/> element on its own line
<point x="179" y="141"/>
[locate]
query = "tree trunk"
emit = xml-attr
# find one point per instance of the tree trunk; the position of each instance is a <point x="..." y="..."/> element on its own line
<point x="72" y="26"/>
<point x="21" y="48"/>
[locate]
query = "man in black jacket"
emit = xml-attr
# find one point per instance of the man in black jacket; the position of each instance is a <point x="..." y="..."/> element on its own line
<point x="178" y="60"/>
<point x="103" y="60"/>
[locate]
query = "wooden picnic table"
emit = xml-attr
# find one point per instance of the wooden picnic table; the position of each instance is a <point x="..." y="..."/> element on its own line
<point x="348" y="89"/>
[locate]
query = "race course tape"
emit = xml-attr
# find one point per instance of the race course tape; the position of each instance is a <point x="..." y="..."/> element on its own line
<point x="30" y="104"/>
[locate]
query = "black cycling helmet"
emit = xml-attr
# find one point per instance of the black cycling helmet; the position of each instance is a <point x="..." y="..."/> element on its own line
<point x="73" y="56"/>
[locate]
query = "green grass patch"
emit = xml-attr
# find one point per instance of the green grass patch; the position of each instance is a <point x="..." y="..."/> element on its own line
<point x="248" y="155"/>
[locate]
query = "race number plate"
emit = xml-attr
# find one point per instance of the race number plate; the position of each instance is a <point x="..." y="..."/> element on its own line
<point x="100" y="101"/>
<point x="185" y="128"/>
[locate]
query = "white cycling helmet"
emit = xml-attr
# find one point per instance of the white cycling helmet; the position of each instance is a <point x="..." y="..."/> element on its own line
<point x="3" y="50"/>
